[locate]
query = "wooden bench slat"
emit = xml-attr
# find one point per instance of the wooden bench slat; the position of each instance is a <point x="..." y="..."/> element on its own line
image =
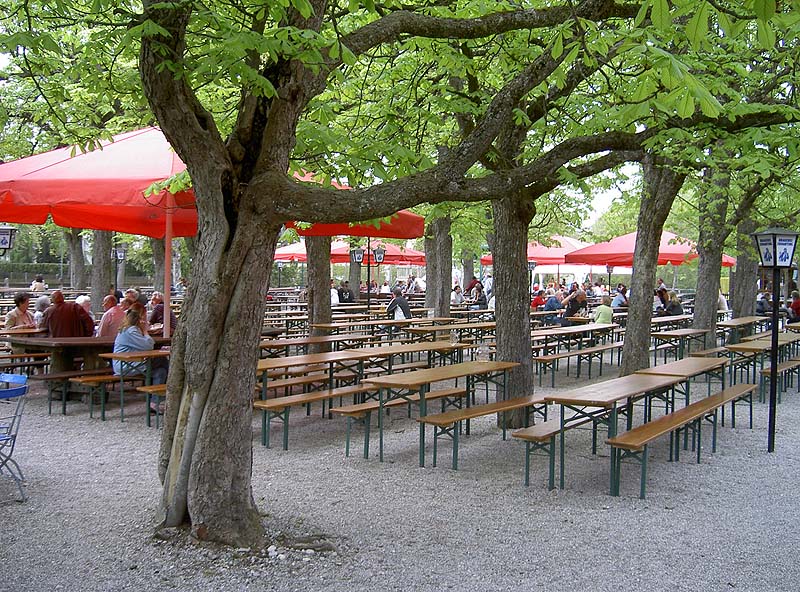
<point x="455" y="415"/>
<point x="361" y="409"/>
<point x="636" y="438"/>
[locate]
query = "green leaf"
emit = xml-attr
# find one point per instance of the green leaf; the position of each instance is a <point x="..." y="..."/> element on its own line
<point x="660" y="15"/>
<point x="765" y="9"/>
<point x="348" y="57"/>
<point x="766" y="36"/>
<point x="697" y="29"/>
<point x="303" y="7"/>
<point x="642" y="14"/>
<point x="686" y="106"/>
<point x="558" y="46"/>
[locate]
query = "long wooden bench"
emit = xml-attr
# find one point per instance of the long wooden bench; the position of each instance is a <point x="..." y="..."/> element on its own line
<point x="153" y="391"/>
<point x="713" y="352"/>
<point x="549" y="362"/>
<point x="786" y="371"/>
<point x="98" y="384"/>
<point x="278" y="408"/>
<point x="542" y="438"/>
<point x="59" y="381"/>
<point x="449" y="423"/>
<point x="634" y="443"/>
<point x="447" y="397"/>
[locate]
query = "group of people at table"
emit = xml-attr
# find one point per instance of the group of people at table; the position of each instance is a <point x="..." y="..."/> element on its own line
<point x="127" y="321"/>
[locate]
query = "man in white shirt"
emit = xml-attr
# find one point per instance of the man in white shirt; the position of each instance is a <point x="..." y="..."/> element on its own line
<point x="334" y="294"/>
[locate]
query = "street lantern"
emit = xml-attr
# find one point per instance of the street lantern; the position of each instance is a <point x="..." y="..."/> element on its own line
<point x="609" y="271"/>
<point x="531" y="266"/>
<point x="378" y="254"/>
<point x="7" y="235"/>
<point x="776" y="248"/>
<point x="118" y="254"/>
<point x="280" y="268"/>
<point x="357" y="255"/>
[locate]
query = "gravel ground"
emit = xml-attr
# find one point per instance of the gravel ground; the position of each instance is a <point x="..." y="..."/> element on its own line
<point x="727" y="524"/>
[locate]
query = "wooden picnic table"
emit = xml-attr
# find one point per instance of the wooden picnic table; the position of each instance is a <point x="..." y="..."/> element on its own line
<point x="133" y="357"/>
<point x="419" y="381"/>
<point x="302" y="343"/>
<point x="676" y="321"/>
<point x="600" y="403"/>
<point x="741" y="325"/>
<point x="683" y="337"/>
<point x="368" y="325"/>
<point x="562" y="334"/>
<point x="476" y="330"/>
<point x="64" y="350"/>
<point x="752" y="353"/>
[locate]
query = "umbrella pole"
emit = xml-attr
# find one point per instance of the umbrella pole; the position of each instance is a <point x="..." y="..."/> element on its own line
<point x="168" y="264"/>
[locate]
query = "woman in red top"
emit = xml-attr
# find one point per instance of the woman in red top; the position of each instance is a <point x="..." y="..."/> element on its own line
<point x="538" y="300"/>
<point x="794" y="308"/>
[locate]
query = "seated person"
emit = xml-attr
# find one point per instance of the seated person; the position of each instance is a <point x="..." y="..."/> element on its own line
<point x="133" y="336"/>
<point x="621" y="299"/>
<point x="20" y="317"/>
<point x="553" y="303"/>
<point x="673" y="307"/>
<point x="157" y="314"/>
<point x="456" y="297"/>
<point x="398" y="309"/>
<point x="538" y="300"/>
<point x="575" y="304"/>
<point x="794" y="308"/>
<point x="480" y="302"/>
<point x="604" y="312"/>
<point x="764" y="304"/>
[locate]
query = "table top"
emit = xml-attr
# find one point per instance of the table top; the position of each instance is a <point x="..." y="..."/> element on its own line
<point x="610" y="392"/>
<point x="764" y="344"/>
<point x="26" y="331"/>
<point x="374" y="323"/>
<point x="354" y="355"/>
<point x="686" y="368"/>
<point x="57" y="342"/>
<point x="667" y="319"/>
<point x="679" y="333"/>
<point x="136" y="356"/>
<point x="418" y="378"/>
<point x="452" y="327"/>
<point x="741" y="322"/>
<point x="572" y="330"/>
<point x="313" y="339"/>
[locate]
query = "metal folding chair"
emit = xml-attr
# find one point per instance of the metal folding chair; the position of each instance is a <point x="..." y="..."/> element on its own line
<point x="12" y="401"/>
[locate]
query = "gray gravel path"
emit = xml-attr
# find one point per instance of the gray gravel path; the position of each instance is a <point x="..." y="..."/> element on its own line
<point x="727" y="524"/>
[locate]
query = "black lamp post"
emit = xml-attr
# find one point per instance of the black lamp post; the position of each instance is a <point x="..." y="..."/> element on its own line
<point x="776" y="249"/>
<point x="118" y="254"/>
<point x="280" y="268"/>
<point x="7" y="235"/>
<point x="531" y="266"/>
<point x="609" y="271"/>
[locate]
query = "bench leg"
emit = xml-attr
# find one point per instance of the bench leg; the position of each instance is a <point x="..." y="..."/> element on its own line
<point x="527" y="464"/>
<point x="286" y="428"/>
<point x="367" y="422"/>
<point x="643" y="483"/>
<point x="455" y="447"/>
<point x="347" y="437"/>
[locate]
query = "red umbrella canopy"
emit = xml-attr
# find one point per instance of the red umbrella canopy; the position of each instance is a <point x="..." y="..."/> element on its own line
<point x="619" y="251"/>
<point x="403" y="224"/>
<point x="394" y="255"/>
<point x="296" y="252"/>
<point x="543" y="255"/>
<point x="102" y="189"/>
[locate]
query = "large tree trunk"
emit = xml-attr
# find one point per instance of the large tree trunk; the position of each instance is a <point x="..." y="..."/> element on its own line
<point x="206" y="447"/>
<point x="318" y="250"/>
<point x="512" y="215"/>
<point x="661" y="186"/>
<point x="77" y="262"/>
<point x="102" y="267"/>
<point x="438" y="266"/>
<point x="468" y="266"/>
<point x="157" y="245"/>
<point x="713" y="210"/>
<point x="354" y="277"/>
<point x="744" y="279"/>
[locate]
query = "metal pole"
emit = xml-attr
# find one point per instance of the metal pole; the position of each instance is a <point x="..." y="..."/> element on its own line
<point x="773" y="373"/>
<point x="369" y="275"/>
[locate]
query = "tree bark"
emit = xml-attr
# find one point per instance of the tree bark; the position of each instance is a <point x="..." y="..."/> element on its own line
<point x="512" y="215"/>
<point x="661" y="187"/>
<point x="157" y="245"/>
<point x="354" y="277"/>
<point x="713" y="210"/>
<point x="438" y="267"/>
<point x="744" y="286"/>
<point x="468" y="266"/>
<point x="102" y="267"/>
<point x="318" y="250"/>
<point x="77" y="262"/>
